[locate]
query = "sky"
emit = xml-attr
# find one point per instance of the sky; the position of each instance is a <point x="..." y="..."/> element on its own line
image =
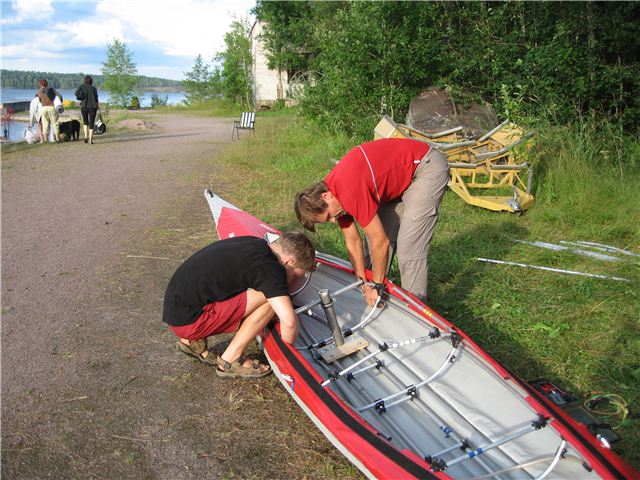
<point x="164" y="36"/>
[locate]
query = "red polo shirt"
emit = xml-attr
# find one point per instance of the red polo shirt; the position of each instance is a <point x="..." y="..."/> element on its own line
<point x="373" y="174"/>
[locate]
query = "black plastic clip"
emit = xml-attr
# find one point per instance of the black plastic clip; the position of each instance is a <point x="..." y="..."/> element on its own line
<point x="379" y="406"/>
<point x="434" y="333"/>
<point x="349" y="377"/>
<point x="438" y="465"/>
<point x="412" y="392"/>
<point x="383" y="347"/>
<point x="456" y="339"/>
<point x="347" y="332"/>
<point x="541" y="422"/>
<point x="334" y="375"/>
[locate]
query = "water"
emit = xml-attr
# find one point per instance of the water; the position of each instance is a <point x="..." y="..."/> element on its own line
<point x="17" y="94"/>
<point x="16" y="129"/>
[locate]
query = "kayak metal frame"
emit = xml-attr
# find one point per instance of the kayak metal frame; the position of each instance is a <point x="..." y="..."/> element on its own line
<point x="448" y="432"/>
<point x="551" y="269"/>
<point x="478" y="166"/>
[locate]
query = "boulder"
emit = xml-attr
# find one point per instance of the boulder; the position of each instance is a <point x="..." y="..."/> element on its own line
<point x="434" y="111"/>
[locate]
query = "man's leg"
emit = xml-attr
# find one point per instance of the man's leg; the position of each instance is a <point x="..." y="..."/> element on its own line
<point x="56" y="126"/>
<point x="257" y="315"/>
<point x="421" y="203"/>
<point x="46" y="123"/>
<point x="218" y="317"/>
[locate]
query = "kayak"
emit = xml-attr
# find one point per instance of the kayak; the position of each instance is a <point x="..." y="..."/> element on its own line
<point x="403" y="393"/>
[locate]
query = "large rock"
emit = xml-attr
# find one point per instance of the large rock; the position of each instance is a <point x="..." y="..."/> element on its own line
<point x="434" y="111"/>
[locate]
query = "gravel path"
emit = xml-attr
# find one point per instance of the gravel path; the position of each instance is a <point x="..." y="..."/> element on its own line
<point x="91" y="385"/>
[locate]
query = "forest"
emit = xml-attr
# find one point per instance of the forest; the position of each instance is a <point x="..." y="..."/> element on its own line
<point x="551" y="61"/>
<point x="28" y="79"/>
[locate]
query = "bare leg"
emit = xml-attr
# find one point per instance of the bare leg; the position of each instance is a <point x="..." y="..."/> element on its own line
<point x="257" y="315"/>
<point x="85" y="130"/>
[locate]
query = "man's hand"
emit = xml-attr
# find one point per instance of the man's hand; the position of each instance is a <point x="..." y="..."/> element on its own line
<point x="370" y="295"/>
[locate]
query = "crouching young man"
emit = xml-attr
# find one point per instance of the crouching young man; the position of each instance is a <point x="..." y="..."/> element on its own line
<point x="236" y="285"/>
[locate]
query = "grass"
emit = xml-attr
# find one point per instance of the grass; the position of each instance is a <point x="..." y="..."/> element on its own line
<point x="582" y="333"/>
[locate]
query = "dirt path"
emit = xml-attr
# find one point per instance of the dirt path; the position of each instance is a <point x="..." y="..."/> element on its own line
<point x="91" y="385"/>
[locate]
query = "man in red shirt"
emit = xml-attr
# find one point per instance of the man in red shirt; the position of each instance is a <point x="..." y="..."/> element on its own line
<point x="392" y="188"/>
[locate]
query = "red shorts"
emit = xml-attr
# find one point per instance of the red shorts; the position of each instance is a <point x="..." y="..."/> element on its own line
<point x="217" y="317"/>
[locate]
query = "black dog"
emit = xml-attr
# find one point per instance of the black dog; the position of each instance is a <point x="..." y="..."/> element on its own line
<point x="71" y="129"/>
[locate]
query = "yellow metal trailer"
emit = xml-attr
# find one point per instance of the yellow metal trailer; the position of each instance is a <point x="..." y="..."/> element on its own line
<point x="478" y="167"/>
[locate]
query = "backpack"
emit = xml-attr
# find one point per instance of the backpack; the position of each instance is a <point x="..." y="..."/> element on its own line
<point x="99" y="126"/>
<point x="80" y="94"/>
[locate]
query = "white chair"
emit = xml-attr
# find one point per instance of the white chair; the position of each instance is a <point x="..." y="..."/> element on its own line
<point x="246" y="122"/>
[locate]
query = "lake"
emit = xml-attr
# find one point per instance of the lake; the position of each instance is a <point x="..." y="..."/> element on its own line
<point x="17" y="94"/>
<point x="16" y="129"/>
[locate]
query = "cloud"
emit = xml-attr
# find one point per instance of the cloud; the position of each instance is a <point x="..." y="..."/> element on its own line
<point x="28" y="9"/>
<point x="185" y="28"/>
<point x="69" y="36"/>
<point x="89" y="33"/>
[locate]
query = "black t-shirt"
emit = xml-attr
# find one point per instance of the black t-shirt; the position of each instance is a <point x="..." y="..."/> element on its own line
<point x="220" y="271"/>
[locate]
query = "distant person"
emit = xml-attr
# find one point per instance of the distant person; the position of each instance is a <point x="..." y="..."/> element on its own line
<point x="50" y="117"/>
<point x="236" y="285"/>
<point x="88" y="96"/>
<point x="35" y="116"/>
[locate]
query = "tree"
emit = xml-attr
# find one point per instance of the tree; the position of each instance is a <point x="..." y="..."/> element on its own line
<point x="288" y="34"/>
<point x="199" y="85"/>
<point x="120" y="73"/>
<point x="235" y="65"/>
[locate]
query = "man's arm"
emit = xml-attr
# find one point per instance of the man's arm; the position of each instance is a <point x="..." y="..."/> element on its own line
<point x="379" y="251"/>
<point x="353" y="242"/>
<point x="283" y="308"/>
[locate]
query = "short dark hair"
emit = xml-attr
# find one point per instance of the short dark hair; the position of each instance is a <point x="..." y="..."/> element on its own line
<point x="88" y="80"/>
<point x="309" y="203"/>
<point x="299" y="247"/>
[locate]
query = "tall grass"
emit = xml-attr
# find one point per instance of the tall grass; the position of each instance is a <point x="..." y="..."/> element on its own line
<point x="219" y="107"/>
<point x="581" y="332"/>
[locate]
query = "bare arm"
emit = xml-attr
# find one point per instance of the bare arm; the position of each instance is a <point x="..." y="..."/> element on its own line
<point x="379" y="250"/>
<point x="353" y="242"/>
<point x="283" y="308"/>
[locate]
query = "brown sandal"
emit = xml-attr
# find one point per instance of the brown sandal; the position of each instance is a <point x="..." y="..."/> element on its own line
<point x="195" y="349"/>
<point x="238" y="370"/>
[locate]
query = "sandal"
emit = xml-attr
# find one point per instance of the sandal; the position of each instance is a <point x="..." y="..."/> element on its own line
<point x="195" y="349"/>
<point x="238" y="370"/>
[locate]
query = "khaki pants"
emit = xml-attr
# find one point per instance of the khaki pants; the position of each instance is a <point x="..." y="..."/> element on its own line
<point x="410" y="221"/>
<point x="50" y="116"/>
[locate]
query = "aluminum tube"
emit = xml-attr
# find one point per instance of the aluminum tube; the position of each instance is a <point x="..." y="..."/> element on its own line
<point x="327" y="305"/>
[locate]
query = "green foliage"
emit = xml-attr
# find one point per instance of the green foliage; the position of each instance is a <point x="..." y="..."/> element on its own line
<point x="159" y="100"/>
<point x="554" y="60"/>
<point x="372" y="65"/>
<point x="70" y="81"/>
<point x="200" y="85"/>
<point x="135" y="103"/>
<point x="120" y="73"/>
<point x="234" y="75"/>
<point x="290" y="24"/>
